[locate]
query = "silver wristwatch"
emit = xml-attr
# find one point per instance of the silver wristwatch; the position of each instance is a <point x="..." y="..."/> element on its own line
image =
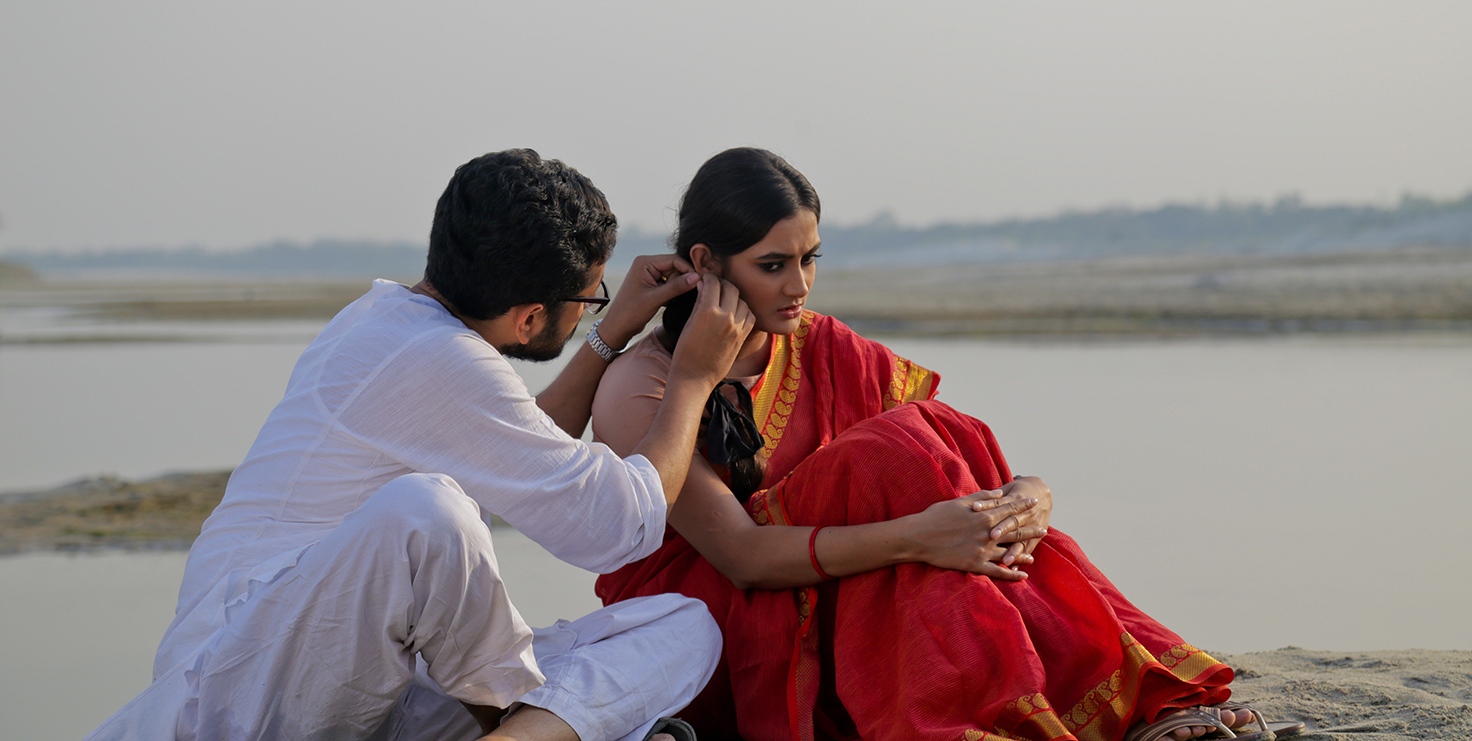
<point x="599" y="346"/>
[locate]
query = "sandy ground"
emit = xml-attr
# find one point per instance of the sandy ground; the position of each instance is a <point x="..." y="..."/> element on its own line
<point x="1364" y="696"/>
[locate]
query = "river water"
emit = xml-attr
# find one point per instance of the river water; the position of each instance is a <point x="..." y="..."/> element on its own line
<point x="1250" y="493"/>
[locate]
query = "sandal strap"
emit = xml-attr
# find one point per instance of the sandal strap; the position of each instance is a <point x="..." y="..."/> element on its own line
<point x="1205" y="715"/>
<point x="1237" y="707"/>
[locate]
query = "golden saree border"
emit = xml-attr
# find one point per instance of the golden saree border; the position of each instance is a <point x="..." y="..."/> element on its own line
<point x="908" y="381"/>
<point x="1099" y="715"/>
<point x="1189" y="663"/>
<point x="762" y="511"/>
<point x="1101" y="712"/>
<point x="777" y="390"/>
<point x="979" y="735"/>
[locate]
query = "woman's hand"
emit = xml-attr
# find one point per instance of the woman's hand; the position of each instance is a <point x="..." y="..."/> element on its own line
<point x="958" y="533"/>
<point x="651" y="282"/>
<point x="1021" y="546"/>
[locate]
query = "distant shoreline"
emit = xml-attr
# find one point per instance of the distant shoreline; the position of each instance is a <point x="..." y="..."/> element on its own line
<point x="1409" y="289"/>
<point x="109" y="513"/>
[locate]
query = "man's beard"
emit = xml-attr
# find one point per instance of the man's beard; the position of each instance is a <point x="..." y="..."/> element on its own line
<point x="544" y="347"/>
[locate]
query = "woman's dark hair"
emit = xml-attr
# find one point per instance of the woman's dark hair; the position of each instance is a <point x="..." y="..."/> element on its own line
<point x="512" y="228"/>
<point x="732" y="203"/>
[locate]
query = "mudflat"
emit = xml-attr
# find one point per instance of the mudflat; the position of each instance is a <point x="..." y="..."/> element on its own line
<point x="1384" y="290"/>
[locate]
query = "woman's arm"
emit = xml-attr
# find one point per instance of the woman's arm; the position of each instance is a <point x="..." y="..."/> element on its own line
<point x="954" y="534"/>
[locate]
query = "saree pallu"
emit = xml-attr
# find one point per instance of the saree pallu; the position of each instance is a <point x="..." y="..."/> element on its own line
<point x="912" y="651"/>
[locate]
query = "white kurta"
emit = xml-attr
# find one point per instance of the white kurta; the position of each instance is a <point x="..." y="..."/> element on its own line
<point x="395" y="385"/>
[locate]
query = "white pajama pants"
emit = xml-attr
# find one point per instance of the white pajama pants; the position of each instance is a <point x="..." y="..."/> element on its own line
<point x="328" y="647"/>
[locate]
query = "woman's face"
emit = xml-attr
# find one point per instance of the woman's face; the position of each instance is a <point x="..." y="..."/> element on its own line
<point x="775" y="274"/>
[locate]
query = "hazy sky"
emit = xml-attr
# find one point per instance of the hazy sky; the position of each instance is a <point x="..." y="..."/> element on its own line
<point x="166" y="122"/>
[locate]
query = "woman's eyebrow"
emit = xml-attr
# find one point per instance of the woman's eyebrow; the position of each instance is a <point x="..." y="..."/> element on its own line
<point x="784" y="255"/>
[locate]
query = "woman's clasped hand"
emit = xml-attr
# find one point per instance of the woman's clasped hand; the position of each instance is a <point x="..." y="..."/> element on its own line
<point x="982" y="533"/>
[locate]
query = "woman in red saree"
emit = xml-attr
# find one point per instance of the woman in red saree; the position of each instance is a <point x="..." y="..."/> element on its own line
<point x="957" y="614"/>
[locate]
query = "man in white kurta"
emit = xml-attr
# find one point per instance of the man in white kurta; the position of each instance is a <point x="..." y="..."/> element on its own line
<point x="346" y="586"/>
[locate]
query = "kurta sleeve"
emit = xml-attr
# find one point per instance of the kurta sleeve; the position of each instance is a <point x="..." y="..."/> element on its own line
<point x="453" y="405"/>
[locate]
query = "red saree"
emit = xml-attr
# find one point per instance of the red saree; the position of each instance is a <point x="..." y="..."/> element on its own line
<point x="913" y="651"/>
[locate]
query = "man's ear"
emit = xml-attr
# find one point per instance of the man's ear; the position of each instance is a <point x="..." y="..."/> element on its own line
<point x="703" y="260"/>
<point x="527" y="321"/>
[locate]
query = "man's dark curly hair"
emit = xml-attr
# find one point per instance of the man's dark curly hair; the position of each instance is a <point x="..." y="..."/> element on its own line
<point x="512" y="228"/>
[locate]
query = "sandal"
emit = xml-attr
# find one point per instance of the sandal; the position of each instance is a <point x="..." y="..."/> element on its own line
<point x="1211" y="716"/>
<point x="674" y="727"/>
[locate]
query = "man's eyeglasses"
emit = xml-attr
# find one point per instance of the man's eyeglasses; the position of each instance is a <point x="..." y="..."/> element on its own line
<point x="598" y="302"/>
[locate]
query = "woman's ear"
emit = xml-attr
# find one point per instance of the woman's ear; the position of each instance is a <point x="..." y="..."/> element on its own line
<point x="702" y="259"/>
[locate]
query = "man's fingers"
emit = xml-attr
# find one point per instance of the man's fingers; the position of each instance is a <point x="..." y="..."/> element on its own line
<point x="710" y="292"/>
<point x="675" y="286"/>
<point x="745" y="320"/>
<point x="662" y="266"/>
<point x="730" y="297"/>
<point x="668" y="264"/>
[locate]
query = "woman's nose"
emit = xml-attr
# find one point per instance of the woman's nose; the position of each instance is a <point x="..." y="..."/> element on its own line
<point x="798" y="286"/>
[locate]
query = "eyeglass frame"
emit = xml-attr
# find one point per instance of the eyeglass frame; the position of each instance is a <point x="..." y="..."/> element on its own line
<point x="598" y="302"/>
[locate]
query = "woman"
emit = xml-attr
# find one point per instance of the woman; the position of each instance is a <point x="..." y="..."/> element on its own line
<point x="877" y="571"/>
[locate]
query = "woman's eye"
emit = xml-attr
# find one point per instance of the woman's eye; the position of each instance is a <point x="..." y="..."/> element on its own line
<point x="808" y="259"/>
<point x="771" y="267"/>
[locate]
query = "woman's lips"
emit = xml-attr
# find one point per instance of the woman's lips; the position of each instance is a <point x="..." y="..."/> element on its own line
<point x="791" y="312"/>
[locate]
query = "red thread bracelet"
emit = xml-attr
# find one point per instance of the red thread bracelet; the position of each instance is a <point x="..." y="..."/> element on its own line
<point x="813" y="554"/>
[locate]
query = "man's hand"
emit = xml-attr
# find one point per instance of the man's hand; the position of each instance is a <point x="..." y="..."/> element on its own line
<point x="718" y="325"/>
<point x="651" y="282"/>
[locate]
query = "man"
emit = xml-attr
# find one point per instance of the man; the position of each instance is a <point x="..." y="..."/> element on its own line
<point x="346" y="588"/>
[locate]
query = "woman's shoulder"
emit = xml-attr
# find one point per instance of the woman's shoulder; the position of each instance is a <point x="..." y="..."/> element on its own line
<point x="834" y="331"/>
<point x="646" y="354"/>
<point x="640" y="370"/>
<point x="628" y="396"/>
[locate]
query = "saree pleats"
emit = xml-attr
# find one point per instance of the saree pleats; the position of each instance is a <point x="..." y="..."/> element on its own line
<point x="913" y="651"/>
